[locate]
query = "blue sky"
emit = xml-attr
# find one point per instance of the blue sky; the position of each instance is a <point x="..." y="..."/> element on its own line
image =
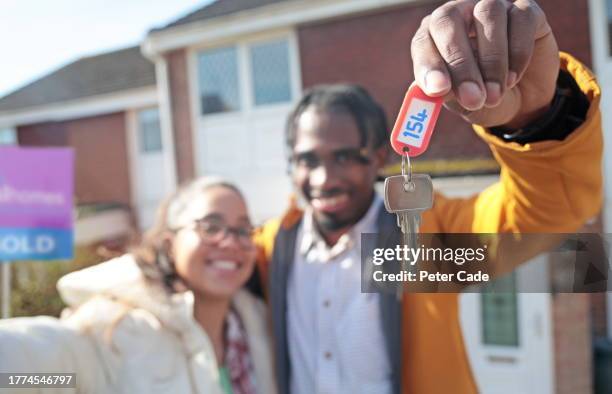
<point x="39" y="36"/>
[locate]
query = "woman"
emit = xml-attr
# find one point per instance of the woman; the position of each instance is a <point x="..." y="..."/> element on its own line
<point x="170" y="317"/>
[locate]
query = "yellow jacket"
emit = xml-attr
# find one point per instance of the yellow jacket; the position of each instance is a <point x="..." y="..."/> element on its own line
<point x="544" y="187"/>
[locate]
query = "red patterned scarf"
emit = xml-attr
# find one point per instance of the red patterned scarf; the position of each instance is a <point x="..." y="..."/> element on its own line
<point x="237" y="357"/>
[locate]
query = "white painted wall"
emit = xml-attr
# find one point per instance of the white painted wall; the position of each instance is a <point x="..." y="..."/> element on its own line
<point x="602" y="64"/>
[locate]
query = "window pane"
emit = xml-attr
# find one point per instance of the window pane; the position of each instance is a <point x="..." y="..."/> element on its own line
<point x="218" y="73"/>
<point x="271" y="82"/>
<point x="8" y="137"/>
<point x="150" y="132"/>
<point x="500" y="313"/>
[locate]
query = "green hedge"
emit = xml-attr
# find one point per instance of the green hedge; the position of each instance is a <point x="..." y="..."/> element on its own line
<point x="33" y="283"/>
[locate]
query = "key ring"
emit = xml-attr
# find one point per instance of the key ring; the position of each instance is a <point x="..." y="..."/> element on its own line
<point x="408" y="184"/>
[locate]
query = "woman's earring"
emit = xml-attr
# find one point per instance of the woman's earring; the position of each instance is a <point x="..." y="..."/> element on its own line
<point x="167" y="270"/>
<point x="164" y="263"/>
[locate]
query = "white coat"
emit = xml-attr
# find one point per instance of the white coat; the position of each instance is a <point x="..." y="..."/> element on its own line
<point x="124" y="335"/>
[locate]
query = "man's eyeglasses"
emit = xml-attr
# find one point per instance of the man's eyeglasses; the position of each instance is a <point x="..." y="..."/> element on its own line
<point x="339" y="158"/>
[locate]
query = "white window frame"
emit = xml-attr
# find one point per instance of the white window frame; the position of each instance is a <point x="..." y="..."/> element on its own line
<point x="245" y="76"/>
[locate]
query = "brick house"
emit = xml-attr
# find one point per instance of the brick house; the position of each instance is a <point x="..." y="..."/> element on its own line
<point x="234" y="67"/>
<point x="106" y="108"/>
<point x="218" y="85"/>
<point x="304" y="43"/>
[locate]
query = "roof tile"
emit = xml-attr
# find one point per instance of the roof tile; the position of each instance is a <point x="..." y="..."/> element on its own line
<point x="90" y="76"/>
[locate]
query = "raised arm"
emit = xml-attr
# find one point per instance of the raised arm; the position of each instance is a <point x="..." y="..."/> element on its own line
<point x="497" y="64"/>
<point x="44" y="345"/>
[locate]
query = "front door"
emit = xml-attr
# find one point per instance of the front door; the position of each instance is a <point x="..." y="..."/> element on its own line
<point x="507" y="332"/>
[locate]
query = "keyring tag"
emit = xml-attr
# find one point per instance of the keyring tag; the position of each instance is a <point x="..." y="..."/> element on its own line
<point x="415" y="122"/>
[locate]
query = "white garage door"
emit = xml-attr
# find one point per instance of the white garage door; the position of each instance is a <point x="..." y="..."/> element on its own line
<point x="243" y="96"/>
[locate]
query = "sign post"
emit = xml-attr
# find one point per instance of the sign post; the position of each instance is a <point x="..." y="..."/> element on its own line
<point x="36" y="208"/>
<point x="6" y="289"/>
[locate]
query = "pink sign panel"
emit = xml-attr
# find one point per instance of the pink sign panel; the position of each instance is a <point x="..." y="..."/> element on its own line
<point x="36" y="203"/>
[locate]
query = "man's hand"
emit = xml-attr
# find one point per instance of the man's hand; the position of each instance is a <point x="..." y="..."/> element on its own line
<point x="495" y="61"/>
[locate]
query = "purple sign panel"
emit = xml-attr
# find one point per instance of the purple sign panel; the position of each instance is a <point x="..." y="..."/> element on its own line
<point x="36" y="203"/>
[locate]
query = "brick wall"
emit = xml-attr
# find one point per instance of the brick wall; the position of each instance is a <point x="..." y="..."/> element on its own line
<point x="43" y="134"/>
<point x="569" y="20"/>
<point x="181" y="114"/>
<point x="101" y="167"/>
<point x="598" y="301"/>
<point x="599" y="316"/>
<point x="572" y="343"/>
<point x="577" y="318"/>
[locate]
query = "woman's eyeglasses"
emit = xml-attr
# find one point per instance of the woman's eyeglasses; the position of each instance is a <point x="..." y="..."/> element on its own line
<point x="213" y="231"/>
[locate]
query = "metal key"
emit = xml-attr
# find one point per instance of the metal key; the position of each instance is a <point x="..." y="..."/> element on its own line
<point x="407" y="196"/>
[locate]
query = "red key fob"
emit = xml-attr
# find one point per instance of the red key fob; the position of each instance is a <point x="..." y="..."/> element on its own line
<point x="415" y="122"/>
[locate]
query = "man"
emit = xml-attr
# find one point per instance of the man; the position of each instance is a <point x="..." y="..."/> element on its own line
<point x="543" y="127"/>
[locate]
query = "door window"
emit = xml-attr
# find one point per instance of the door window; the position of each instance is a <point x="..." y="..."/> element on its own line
<point x="270" y="70"/>
<point x="218" y="80"/>
<point x="245" y="76"/>
<point x="500" y="312"/>
<point x="150" y="132"/>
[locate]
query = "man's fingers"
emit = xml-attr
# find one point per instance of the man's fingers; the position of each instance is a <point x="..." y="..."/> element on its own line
<point x="484" y="48"/>
<point x="429" y="69"/>
<point x="526" y="23"/>
<point x="448" y="30"/>
<point x="490" y="23"/>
